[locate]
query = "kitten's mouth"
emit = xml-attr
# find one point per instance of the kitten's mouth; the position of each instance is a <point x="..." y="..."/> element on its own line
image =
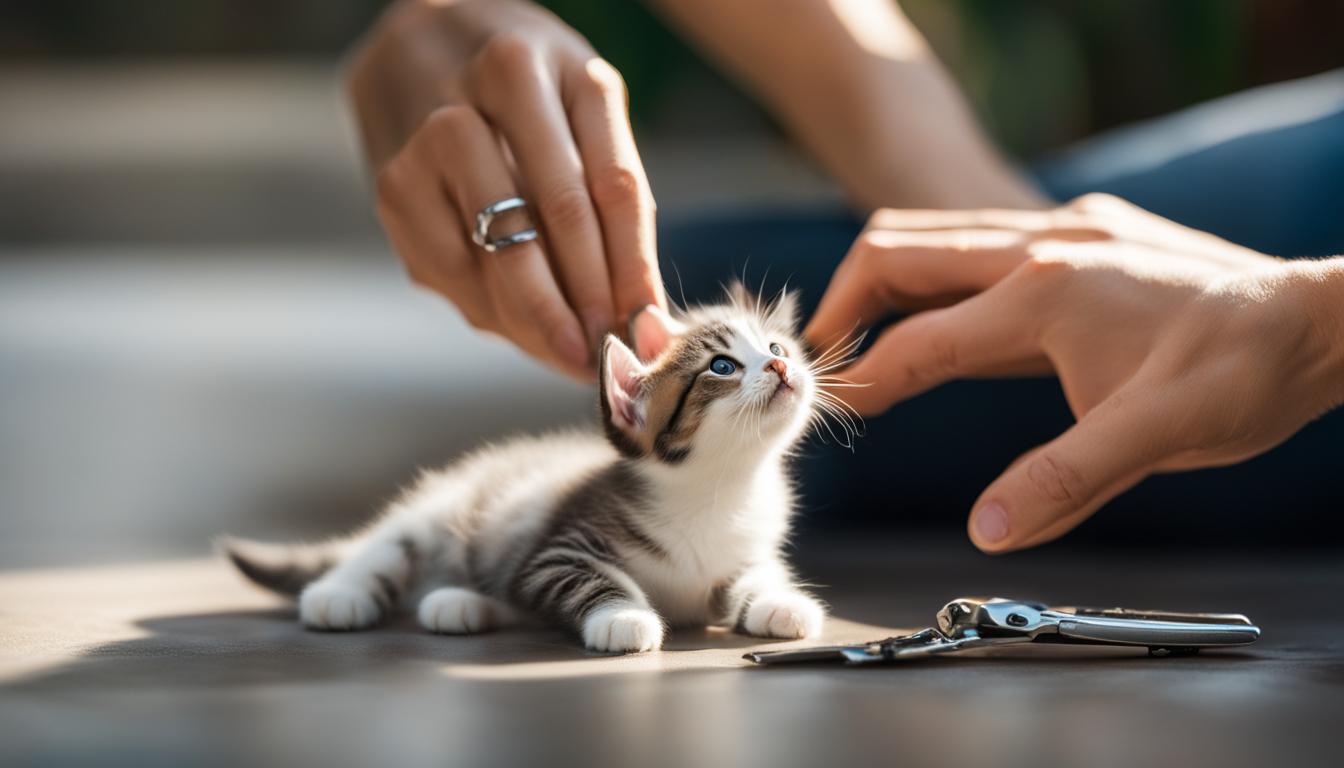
<point x="781" y="391"/>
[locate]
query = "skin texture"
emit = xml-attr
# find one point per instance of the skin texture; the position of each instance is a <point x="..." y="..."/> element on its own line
<point x="461" y="103"/>
<point x="1176" y="350"/>
<point x="858" y="86"/>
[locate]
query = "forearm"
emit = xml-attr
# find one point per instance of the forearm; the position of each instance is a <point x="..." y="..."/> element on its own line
<point x="855" y="82"/>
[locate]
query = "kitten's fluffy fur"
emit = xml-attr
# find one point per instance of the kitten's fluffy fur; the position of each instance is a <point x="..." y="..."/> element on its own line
<point x="677" y="517"/>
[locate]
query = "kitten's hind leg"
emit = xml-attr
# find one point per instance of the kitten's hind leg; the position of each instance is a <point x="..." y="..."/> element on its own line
<point x="364" y="588"/>
<point x="460" y="611"/>
<point x="592" y="595"/>
<point x="764" y="602"/>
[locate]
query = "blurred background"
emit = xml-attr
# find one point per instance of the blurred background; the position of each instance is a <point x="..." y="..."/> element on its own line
<point x="202" y="329"/>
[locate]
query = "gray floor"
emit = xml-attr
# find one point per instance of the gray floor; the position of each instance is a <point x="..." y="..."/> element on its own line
<point x="180" y="663"/>
<point x="201" y="331"/>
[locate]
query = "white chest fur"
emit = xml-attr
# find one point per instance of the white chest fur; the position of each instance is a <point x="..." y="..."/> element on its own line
<point x="708" y="532"/>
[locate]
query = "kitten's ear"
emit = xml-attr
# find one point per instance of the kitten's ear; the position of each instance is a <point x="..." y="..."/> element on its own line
<point x="739" y="296"/>
<point x="782" y="314"/>
<point x="652" y="330"/>
<point x="622" y="392"/>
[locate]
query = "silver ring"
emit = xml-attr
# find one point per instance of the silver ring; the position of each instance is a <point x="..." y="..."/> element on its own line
<point x="487" y="216"/>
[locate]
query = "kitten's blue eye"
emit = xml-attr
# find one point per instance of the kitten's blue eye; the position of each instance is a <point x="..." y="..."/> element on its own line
<point x="776" y="350"/>
<point x="722" y="366"/>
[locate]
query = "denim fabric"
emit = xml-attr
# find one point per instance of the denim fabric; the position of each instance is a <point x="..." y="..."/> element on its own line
<point x="1265" y="169"/>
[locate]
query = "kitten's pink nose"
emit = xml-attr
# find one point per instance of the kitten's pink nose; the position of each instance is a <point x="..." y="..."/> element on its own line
<point x="780" y="368"/>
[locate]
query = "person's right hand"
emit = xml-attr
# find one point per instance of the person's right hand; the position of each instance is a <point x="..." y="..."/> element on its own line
<point x="465" y="104"/>
<point x="1176" y="350"/>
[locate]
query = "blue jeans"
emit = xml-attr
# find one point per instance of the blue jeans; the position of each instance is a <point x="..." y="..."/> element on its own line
<point x="1264" y="168"/>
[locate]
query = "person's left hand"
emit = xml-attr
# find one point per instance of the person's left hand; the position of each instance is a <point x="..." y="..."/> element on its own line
<point x="1175" y="349"/>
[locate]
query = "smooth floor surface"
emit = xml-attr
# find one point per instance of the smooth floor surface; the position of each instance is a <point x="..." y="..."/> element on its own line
<point x="180" y="662"/>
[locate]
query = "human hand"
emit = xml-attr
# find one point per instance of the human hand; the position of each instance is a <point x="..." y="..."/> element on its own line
<point x="1175" y="349"/>
<point x="465" y="104"/>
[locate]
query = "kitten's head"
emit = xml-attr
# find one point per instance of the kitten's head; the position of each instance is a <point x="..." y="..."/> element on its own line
<point x="725" y="380"/>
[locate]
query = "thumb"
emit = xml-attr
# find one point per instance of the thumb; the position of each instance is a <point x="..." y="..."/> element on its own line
<point x="1052" y="489"/>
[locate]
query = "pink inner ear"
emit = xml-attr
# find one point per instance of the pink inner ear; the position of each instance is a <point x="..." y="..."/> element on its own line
<point x="653" y="330"/>
<point x="624" y="376"/>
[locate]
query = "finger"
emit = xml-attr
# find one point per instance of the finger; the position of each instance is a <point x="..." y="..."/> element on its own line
<point x="532" y="311"/>
<point x="1057" y="486"/>
<point x="599" y="116"/>
<point x="427" y="232"/>
<point x="992" y="333"/>
<point x="513" y="86"/>
<point x="887" y="268"/>
<point x="520" y="285"/>
<point x="1134" y="223"/>
<point x="984" y="218"/>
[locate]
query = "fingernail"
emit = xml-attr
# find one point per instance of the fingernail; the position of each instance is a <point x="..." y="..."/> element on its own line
<point x="991" y="523"/>
<point x="634" y="317"/>
<point x="571" y="346"/>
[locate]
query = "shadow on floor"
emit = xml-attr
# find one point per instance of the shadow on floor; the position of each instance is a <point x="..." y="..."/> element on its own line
<point x="242" y="648"/>
<point x="267" y="647"/>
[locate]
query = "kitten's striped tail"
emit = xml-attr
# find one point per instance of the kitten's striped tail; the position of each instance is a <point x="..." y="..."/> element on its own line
<point x="282" y="568"/>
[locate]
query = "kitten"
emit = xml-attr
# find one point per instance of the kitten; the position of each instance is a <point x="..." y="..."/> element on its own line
<point x="678" y="517"/>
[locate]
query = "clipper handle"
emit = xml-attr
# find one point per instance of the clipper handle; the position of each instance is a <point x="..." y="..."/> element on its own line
<point x="1096" y="629"/>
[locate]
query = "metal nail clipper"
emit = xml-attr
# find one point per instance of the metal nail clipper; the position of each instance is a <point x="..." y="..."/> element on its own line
<point x="974" y="622"/>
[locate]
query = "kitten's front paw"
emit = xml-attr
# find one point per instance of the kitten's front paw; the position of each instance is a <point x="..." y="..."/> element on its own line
<point x="456" y="611"/>
<point x="622" y="629"/>
<point x="335" y="606"/>
<point x="784" y="614"/>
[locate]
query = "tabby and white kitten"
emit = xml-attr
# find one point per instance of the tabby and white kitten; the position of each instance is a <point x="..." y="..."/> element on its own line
<point x="677" y="517"/>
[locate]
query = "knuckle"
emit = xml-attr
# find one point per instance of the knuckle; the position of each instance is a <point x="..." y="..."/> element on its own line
<point x="450" y="126"/>
<point x="872" y="242"/>
<point x="605" y="78"/>
<point x="389" y="186"/>
<point x="475" y="318"/>
<point x="566" y="207"/>
<point x="508" y="56"/>
<point x="1097" y="202"/>
<point x="866" y="252"/>
<point x="1055" y="479"/>
<point x="618" y="185"/>
<point x="1046" y="265"/>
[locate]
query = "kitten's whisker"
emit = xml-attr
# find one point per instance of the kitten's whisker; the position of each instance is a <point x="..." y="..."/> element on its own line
<point x="842" y="410"/>
<point x="841" y="419"/>
<point x="842" y="347"/>
<point x="832" y="399"/>
<point x="840" y="353"/>
<point x="827" y="424"/>
<point x="834" y="366"/>
<point x="838" y="359"/>
<point x="829" y="377"/>
<point x="681" y="287"/>
<point x="844" y="385"/>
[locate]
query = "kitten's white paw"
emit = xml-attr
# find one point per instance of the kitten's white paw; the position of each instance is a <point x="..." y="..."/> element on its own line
<point x="784" y="614"/>
<point x="336" y="606"/>
<point x="456" y="611"/>
<point x="623" y="629"/>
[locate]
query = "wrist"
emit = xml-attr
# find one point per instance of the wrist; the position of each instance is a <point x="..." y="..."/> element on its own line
<point x="1324" y="304"/>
